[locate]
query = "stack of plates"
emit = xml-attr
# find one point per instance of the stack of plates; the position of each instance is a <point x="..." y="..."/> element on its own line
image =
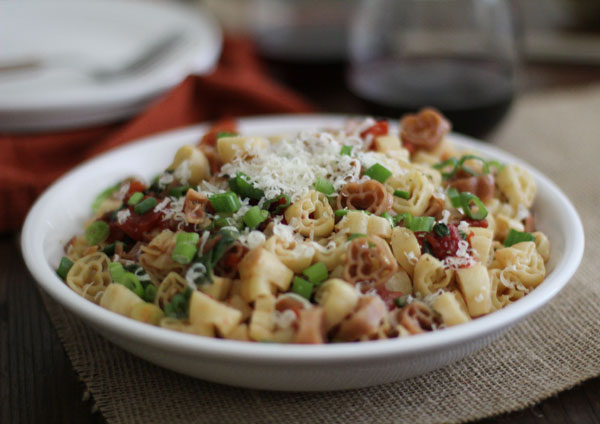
<point x="56" y="55"/>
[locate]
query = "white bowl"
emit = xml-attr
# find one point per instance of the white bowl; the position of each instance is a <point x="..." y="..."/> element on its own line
<point x="61" y="211"/>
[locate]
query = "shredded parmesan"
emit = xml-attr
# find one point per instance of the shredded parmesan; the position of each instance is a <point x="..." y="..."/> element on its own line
<point x="122" y="216"/>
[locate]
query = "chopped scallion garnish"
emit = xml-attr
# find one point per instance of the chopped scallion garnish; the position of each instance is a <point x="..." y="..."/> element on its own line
<point x="135" y="198"/>
<point x="104" y="195"/>
<point x="355" y="236"/>
<point x="302" y="287"/>
<point x="378" y="172"/>
<point x="465" y="199"/>
<point x="515" y="237"/>
<point x="324" y="186"/>
<point x="341" y="212"/>
<point x="64" y="267"/>
<point x="346" y="150"/>
<point x="178" y="191"/>
<point x="448" y="167"/>
<point x="454" y="197"/>
<point x="225" y="202"/>
<point x="316" y="273"/>
<point x="150" y="293"/>
<point x="461" y="164"/>
<point x="225" y="134"/>
<point x="97" y="232"/>
<point x="416" y="223"/>
<point x="241" y="185"/>
<point x="254" y="216"/>
<point x="402" y="194"/>
<point x="145" y="205"/>
<point x="185" y="247"/>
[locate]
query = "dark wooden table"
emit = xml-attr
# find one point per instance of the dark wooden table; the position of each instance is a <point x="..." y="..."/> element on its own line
<point x="37" y="382"/>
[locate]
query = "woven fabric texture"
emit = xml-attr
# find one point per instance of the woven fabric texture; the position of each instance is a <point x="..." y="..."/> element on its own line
<point x="554" y="349"/>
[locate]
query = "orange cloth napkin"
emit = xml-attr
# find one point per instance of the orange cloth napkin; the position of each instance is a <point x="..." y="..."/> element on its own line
<point x="239" y="86"/>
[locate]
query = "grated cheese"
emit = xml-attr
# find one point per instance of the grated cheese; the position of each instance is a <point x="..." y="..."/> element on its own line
<point x="123" y="215"/>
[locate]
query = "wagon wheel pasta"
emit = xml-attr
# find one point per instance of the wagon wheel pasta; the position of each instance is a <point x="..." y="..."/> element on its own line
<point x="352" y="234"/>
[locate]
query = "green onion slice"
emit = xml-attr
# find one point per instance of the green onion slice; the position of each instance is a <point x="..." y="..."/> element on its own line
<point x="316" y="273"/>
<point x="185" y="247"/>
<point x="178" y="191"/>
<point x="416" y="223"/>
<point x="461" y="165"/>
<point x="494" y="163"/>
<point x="135" y="198"/>
<point x="454" y="197"/>
<point x="346" y="150"/>
<point x="255" y="216"/>
<point x="150" y="293"/>
<point x="281" y="207"/>
<point x="402" y="194"/>
<point x="225" y="202"/>
<point x="355" y="236"/>
<point x="341" y="212"/>
<point x="241" y="185"/>
<point x="226" y="134"/>
<point x="448" y="167"/>
<point x="145" y="205"/>
<point x="389" y="217"/>
<point x="187" y="238"/>
<point x="378" y="172"/>
<point x="302" y="287"/>
<point x="466" y="198"/>
<point x="324" y="186"/>
<point x="103" y="196"/>
<point x="97" y="232"/>
<point x="515" y="237"/>
<point x="64" y="267"/>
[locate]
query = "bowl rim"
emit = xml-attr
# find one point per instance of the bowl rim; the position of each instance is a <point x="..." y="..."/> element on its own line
<point x="32" y="248"/>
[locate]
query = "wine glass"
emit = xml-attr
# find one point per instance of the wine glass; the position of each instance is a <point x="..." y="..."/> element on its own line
<point x="458" y="56"/>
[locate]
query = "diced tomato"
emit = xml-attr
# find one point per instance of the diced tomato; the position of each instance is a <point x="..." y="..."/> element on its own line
<point x="474" y="223"/>
<point x="388" y="296"/>
<point x="409" y="146"/>
<point x="138" y="226"/>
<point x="441" y="247"/>
<point x="225" y="125"/>
<point x="377" y="129"/>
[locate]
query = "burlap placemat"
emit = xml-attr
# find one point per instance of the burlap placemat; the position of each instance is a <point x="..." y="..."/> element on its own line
<point x="556" y="348"/>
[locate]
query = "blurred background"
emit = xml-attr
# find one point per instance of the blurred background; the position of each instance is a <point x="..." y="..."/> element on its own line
<point x="70" y="65"/>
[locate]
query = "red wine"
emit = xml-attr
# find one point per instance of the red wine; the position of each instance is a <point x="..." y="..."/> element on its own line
<point x="473" y="94"/>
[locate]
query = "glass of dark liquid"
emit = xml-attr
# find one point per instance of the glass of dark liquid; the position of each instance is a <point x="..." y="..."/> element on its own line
<point x="458" y="56"/>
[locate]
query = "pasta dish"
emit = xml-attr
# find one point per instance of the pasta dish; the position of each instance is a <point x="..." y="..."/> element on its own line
<point x="327" y="235"/>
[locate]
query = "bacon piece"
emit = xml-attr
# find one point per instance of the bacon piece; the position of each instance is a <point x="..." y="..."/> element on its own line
<point x="194" y="207"/>
<point x="369" y="196"/>
<point x="228" y="265"/>
<point x="370" y="260"/>
<point x="311" y="326"/>
<point x="365" y="321"/>
<point x="416" y="317"/>
<point x="225" y="125"/>
<point x="425" y="130"/>
<point x="482" y="186"/>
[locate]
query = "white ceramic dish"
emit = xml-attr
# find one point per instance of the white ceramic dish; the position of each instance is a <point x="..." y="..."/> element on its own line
<point x="61" y="210"/>
<point x="71" y="36"/>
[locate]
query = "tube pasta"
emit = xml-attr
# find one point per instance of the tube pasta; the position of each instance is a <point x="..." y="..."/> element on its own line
<point x="311" y="215"/>
<point x="231" y="147"/>
<point x="195" y="163"/>
<point x="262" y="274"/>
<point x="156" y="256"/>
<point x="475" y="286"/>
<point x="333" y="250"/>
<point x="523" y="262"/>
<point x="296" y="255"/>
<point x="120" y="299"/>
<point x="418" y="185"/>
<point x="406" y="248"/>
<point x="205" y="311"/>
<point x="338" y="298"/>
<point x="169" y="287"/>
<point x="89" y="276"/>
<point x="517" y="185"/>
<point x="369" y="260"/>
<point x="452" y="311"/>
<point x="431" y="276"/>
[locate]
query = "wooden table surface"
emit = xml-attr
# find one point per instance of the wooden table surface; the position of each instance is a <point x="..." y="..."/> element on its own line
<point x="37" y="382"/>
